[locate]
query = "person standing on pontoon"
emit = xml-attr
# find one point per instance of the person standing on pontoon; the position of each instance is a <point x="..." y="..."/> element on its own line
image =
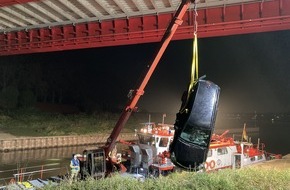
<point x="75" y="167"/>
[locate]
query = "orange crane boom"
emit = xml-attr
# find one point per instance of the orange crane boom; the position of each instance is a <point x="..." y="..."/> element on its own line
<point x="130" y="107"/>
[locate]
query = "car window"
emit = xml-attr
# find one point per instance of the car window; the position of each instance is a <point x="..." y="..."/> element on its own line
<point x="195" y="135"/>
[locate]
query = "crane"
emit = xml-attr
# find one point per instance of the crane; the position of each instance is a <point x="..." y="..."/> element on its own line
<point x="102" y="154"/>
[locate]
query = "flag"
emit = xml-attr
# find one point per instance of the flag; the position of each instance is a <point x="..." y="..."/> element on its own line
<point x="244" y="135"/>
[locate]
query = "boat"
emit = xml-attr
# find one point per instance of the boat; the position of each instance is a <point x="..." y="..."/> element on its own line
<point x="32" y="184"/>
<point x="150" y="156"/>
<point x="224" y="152"/>
<point x="157" y="135"/>
<point x="32" y="178"/>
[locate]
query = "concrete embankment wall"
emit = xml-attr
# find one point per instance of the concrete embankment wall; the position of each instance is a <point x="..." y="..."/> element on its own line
<point x="57" y="141"/>
<point x="63" y="141"/>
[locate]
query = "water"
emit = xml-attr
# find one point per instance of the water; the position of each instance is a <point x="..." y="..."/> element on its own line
<point x="274" y="129"/>
<point x="276" y="136"/>
<point x="54" y="161"/>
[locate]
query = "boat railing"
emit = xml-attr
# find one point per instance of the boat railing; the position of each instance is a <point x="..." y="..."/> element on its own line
<point x="259" y="146"/>
<point x="29" y="175"/>
<point x="3" y="182"/>
<point x="34" y="172"/>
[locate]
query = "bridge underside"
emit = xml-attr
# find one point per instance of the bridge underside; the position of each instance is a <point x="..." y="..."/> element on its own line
<point x="219" y="21"/>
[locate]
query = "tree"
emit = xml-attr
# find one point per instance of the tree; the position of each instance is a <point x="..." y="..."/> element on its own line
<point x="27" y="98"/>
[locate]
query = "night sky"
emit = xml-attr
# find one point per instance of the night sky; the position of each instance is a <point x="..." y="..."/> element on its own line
<point x="252" y="71"/>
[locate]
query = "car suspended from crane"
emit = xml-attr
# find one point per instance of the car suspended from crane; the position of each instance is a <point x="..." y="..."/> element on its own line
<point x="110" y="161"/>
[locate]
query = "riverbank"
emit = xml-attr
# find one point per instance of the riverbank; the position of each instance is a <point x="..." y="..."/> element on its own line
<point x="4" y="136"/>
<point x="279" y="164"/>
<point x="25" y="143"/>
<point x="246" y="179"/>
<point x="32" y="123"/>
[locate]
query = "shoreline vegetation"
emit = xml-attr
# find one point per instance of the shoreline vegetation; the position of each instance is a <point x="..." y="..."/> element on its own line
<point x="32" y="123"/>
<point x="246" y="179"/>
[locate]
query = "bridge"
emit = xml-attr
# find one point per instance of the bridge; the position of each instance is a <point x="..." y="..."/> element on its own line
<point x="32" y="26"/>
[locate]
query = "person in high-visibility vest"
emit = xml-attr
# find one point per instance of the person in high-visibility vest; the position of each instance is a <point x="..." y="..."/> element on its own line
<point x="75" y="167"/>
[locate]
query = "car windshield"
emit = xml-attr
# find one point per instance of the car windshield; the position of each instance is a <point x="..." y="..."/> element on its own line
<point x="196" y="136"/>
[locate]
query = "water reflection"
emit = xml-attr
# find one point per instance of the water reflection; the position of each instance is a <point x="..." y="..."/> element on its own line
<point x="59" y="153"/>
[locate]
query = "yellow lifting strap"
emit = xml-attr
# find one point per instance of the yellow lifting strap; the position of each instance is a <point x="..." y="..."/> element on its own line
<point x="194" y="66"/>
<point x="194" y="73"/>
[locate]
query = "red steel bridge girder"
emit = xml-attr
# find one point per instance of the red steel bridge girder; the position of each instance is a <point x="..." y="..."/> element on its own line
<point x="12" y="2"/>
<point x="219" y="21"/>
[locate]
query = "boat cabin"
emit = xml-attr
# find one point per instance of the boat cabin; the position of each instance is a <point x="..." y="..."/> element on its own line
<point x="160" y="136"/>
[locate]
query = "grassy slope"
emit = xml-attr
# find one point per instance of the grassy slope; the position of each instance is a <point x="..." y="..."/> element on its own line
<point x="243" y="179"/>
<point x="33" y="123"/>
